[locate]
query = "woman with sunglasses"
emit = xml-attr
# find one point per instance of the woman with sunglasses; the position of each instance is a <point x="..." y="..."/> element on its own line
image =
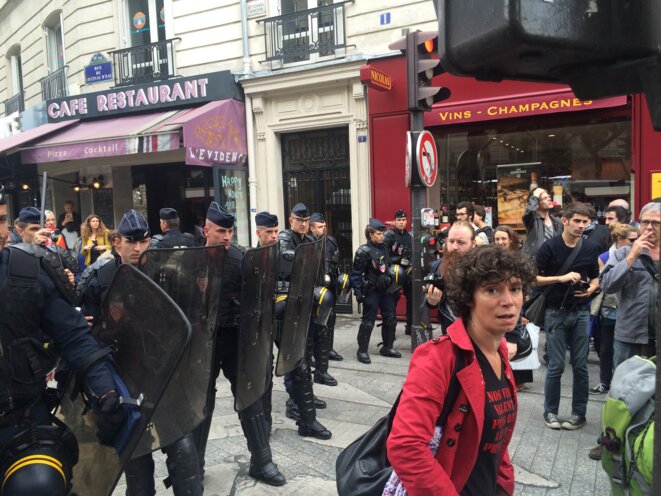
<point x="622" y="235"/>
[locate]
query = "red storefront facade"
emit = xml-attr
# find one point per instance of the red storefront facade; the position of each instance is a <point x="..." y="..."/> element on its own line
<point x="590" y="151"/>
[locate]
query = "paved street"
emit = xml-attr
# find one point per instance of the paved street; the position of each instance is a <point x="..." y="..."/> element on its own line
<point x="547" y="462"/>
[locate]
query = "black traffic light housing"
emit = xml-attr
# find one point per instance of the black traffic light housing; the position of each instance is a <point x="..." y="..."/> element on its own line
<point x="422" y="64"/>
<point x="598" y="47"/>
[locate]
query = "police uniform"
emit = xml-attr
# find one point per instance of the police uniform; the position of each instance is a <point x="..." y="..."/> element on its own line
<point x="37" y="324"/>
<point x="256" y="427"/>
<point x="372" y="287"/>
<point x="301" y="404"/>
<point x="182" y="457"/>
<point x="172" y="238"/>
<point x="321" y="331"/>
<point x="400" y="250"/>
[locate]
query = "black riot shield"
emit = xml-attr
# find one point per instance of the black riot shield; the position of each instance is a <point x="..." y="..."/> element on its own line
<point x="192" y="278"/>
<point x="255" y="361"/>
<point x="147" y="348"/>
<point x="299" y="305"/>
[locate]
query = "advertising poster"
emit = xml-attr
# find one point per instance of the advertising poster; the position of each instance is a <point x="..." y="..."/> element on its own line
<point x="514" y="184"/>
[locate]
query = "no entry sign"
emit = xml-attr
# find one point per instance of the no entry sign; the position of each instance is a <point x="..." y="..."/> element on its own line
<point x="426" y="158"/>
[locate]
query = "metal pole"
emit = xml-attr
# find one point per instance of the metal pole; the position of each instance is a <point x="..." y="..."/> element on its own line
<point x="656" y="467"/>
<point x="418" y="202"/>
<point x="44" y="179"/>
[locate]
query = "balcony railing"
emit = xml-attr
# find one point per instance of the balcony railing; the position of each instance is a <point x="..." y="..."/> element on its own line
<point x="55" y="84"/>
<point x="295" y="37"/>
<point x="144" y="63"/>
<point x="14" y="104"/>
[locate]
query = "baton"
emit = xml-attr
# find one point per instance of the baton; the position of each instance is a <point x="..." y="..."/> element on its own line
<point x="44" y="178"/>
<point x="360" y="307"/>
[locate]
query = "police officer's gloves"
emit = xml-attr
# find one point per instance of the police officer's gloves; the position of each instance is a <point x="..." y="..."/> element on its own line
<point x="111" y="417"/>
<point x="360" y="298"/>
<point x="383" y="282"/>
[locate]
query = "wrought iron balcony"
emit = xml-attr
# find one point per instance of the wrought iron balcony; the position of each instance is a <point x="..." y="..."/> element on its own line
<point x="144" y="63"/>
<point x="295" y="37"/>
<point x="55" y="84"/>
<point x="14" y="104"/>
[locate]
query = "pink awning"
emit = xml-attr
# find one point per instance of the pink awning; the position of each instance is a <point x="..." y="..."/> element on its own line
<point x="106" y="138"/>
<point x="214" y="134"/>
<point x="12" y="143"/>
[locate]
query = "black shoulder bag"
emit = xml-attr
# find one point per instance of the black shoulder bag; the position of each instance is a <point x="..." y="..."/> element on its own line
<point x="536" y="306"/>
<point x="362" y="468"/>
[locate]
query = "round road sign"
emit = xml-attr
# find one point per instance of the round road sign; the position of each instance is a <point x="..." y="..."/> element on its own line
<point x="426" y="158"/>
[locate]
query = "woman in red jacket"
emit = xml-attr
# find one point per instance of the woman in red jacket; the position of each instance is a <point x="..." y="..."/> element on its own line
<point x="486" y="289"/>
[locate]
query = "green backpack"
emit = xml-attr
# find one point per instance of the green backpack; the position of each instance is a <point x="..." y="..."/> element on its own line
<point x="627" y="419"/>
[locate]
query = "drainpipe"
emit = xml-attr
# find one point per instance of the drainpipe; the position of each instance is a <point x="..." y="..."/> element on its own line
<point x="250" y="137"/>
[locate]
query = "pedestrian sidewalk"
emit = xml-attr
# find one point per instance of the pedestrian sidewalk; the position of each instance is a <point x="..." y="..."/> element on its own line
<point x="546" y="462"/>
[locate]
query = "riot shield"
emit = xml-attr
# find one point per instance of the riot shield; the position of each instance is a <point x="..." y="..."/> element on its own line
<point x="255" y="361"/>
<point x="299" y="305"/>
<point x="147" y="348"/>
<point x="192" y="278"/>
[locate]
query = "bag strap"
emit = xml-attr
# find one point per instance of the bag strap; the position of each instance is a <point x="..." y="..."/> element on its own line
<point x="450" y="395"/>
<point x="572" y="256"/>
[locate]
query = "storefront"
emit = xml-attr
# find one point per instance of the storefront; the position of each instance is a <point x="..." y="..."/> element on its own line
<point x="179" y="143"/>
<point x="497" y="141"/>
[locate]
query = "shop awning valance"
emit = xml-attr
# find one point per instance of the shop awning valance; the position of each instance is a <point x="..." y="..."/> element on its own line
<point x="213" y="134"/>
<point x="14" y="142"/>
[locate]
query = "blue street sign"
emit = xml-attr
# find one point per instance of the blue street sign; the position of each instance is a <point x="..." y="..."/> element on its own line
<point x="98" y="73"/>
<point x="384" y="18"/>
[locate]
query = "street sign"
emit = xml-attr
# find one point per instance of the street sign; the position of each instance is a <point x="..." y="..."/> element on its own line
<point x="99" y="69"/>
<point x="426" y="158"/>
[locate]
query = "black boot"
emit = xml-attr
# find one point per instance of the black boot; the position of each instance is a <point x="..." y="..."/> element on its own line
<point x="139" y="474"/>
<point x="267" y="405"/>
<point x="319" y="404"/>
<point x="291" y="410"/>
<point x="364" y="333"/>
<point x="184" y="468"/>
<point x="308" y="424"/>
<point x="321" y="350"/>
<point x="256" y="430"/>
<point x="388" y="335"/>
<point x="332" y="354"/>
<point x="201" y="432"/>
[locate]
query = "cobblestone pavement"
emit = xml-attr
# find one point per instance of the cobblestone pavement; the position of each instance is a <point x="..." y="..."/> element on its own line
<point x="547" y="462"/>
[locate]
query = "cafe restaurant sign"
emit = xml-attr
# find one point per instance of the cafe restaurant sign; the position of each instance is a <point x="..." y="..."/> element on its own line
<point x="144" y="97"/>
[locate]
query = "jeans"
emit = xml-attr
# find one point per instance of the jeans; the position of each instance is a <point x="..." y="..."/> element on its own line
<point x="566" y="327"/>
<point x="607" y="331"/>
<point x="623" y="351"/>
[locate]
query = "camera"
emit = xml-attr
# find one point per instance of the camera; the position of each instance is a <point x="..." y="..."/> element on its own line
<point x="581" y="286"/>
<point x="434" y="279"/>
<point x="54" y="235"/>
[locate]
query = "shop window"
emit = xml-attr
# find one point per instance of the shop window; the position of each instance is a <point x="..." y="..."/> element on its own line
<point x="498" y="166"/>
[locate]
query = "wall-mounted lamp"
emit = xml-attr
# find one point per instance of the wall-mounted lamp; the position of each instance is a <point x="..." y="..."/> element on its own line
<point x="98" y="183"/>
<point x="76" y="188"/>
<point x="25" y="187"/>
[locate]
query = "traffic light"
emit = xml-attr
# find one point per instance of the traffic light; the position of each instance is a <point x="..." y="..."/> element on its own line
<point x="422" y="64"/>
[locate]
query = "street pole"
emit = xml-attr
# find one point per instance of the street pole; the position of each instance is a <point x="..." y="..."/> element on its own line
<point x="419" y="334"/>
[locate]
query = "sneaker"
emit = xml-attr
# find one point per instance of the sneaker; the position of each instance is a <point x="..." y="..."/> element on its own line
<point x="574" y="422"/>
<point x="600" y="388"/>
<point x="551" y="420"/>
<point x="595" y="453"/>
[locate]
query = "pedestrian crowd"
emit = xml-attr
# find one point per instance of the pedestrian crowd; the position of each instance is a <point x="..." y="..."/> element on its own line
<point x="597" y="282"/>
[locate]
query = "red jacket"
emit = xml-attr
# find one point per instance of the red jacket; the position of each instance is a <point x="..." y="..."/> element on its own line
<point x="420" y="406"/>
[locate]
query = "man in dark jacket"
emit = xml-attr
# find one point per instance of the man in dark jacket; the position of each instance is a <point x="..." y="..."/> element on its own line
<point x="540" y="224"/>
<point x="172" y="237"/>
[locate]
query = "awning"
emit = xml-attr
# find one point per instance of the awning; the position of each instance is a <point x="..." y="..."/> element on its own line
<point x="105" y="138"/>
<point x="14" y="142"/>
<point x="213" y="134"/>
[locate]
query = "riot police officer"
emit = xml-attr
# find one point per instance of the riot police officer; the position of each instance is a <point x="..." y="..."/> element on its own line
<point x="398" y="242"/>
<point x="182" y="463"/>
<point x="322" y="335"/>
<point x="302" y="404"/>
<point x="37" y="321"/>
<point x="372" y="287"/>
<point x="172" y="237"/>
<point x="219" y="230"/>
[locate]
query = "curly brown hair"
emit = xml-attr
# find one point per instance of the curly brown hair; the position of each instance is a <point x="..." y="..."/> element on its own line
<point x="483" y="265"/>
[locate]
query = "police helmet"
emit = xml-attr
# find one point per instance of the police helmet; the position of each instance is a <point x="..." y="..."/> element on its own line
<point x="324" y="302"/>
<point x="397" y="275"/>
